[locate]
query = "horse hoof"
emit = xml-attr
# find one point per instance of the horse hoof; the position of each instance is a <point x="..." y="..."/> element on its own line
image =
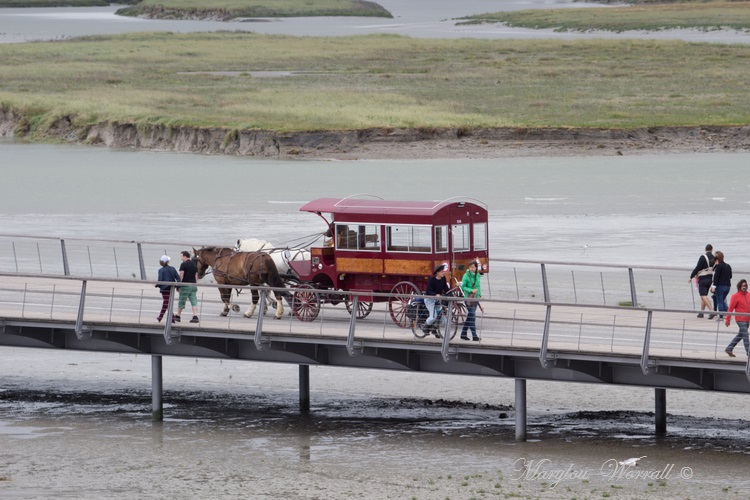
<point x="235" y="308"/>
<point x="248" y="315"/>
<point x="224" y="313"/>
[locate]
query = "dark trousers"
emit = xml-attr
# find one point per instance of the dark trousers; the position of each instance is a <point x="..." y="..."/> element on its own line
<point x="471" y="319"/>
<point x="741" y="335"/>
<point x="164" y="303"/>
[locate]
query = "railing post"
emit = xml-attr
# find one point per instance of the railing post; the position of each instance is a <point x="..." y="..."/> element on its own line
<point x="79" y="318"/>
<point x="66" y="269"/>
<point x="446" y="336"/>
<point x="352" y="327"/>
<point x="646" y="343"/>
<point x="140" y="262"/>
<point x="545" y="285"/>
<point x="633" y="296"/>
<point x="545" y="338"/>
<point x="168" y="318"/>
<point x="258" y="340"/>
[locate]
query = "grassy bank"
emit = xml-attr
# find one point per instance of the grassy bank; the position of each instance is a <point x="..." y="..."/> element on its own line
<point x="363" y="82"/>
<point x="649" y="17"/>
<point x="230" y="9"/>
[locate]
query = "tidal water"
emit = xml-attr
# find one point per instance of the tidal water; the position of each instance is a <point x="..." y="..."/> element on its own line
<point x="414" y="18"/>
<point x="77" y="425"/>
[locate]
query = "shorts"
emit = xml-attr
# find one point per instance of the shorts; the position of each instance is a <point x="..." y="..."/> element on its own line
<point x="704" y="285"/>
<point x="188" y="292"/>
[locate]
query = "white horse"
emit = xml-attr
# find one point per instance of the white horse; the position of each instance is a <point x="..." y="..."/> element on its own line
<point x="281" y="256"/>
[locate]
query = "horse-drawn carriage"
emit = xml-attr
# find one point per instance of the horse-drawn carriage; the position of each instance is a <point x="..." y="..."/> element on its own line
<point x="388" y="246"/>
<point x="373" y="246"/>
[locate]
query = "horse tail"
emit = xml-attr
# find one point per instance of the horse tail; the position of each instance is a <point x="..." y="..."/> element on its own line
<point x="274" y="278"/>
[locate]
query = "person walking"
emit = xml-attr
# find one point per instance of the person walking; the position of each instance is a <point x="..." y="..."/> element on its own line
<point x="471" y="286"/>
<point x="704" y="271"/>
<point x="740" y="302"/>
<point x="188" y="274"/>
<point x="722" y="283"/>
<point x="167" y="274"/>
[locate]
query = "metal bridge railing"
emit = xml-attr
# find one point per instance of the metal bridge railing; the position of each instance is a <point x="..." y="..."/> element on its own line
<point x="509" y="279"/>
<point x="543" y="329"/>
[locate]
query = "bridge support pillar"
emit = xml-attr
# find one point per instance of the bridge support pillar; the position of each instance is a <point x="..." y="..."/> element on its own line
<point x="520" y="409"/>
<point x="157" y="405"/>
<point x="660" y="410"/>
<point x="304" y="388"/>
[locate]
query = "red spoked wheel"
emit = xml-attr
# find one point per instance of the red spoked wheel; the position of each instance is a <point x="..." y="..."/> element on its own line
<point x="305" y="303"/>
<point x="363" y="308"/>
<point x="398" y="305"/>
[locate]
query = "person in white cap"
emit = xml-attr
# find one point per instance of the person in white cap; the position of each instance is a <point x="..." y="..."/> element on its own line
<point x="167" y="273"/>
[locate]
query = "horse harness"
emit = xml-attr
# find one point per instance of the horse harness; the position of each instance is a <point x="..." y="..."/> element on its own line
<point x="246" y="255"/>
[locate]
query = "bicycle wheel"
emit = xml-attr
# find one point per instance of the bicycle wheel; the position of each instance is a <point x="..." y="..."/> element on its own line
<point x="417" y="330"/>
<point x="458" y="316"/>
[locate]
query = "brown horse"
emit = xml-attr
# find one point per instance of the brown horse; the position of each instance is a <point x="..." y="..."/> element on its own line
<point x="240" y="269"/>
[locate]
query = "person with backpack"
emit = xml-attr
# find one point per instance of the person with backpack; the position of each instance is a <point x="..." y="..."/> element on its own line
<point x="167" y="273"/>
<point x="704" y="271"/>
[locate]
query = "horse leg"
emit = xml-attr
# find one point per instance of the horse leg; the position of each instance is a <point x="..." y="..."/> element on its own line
<point x="251" y="307"/>
<point x="226" y="297"/>
<point x="271" y="301"/>
<point x="279" y="307"/>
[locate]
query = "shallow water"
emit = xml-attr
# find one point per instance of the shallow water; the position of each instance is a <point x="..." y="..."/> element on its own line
<point x="78" y="424"/>
<point x="414" y="18"/>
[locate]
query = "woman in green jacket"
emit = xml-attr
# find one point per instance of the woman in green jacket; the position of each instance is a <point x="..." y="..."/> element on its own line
<point x="470" y="284"/>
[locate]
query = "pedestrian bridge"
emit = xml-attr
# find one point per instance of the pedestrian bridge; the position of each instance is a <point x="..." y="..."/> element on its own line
<point x="542" y="321"/>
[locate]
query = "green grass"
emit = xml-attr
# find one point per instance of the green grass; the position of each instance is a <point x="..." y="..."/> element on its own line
<point x="344" y="83"/>
<point x="228" y="9"/>
<point x="649" y="17"/>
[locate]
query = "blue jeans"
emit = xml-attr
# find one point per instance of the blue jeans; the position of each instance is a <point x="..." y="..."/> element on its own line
<point x="471" y="320"/>
<point x="721" y="297"/>
<point x="430" y="304"/>
<point x="741" y="335"/>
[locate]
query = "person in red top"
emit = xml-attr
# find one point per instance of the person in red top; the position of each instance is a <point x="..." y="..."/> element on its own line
<point x="740" y="303"/>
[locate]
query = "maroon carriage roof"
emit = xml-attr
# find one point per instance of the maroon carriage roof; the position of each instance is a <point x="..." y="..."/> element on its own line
<point x="379" y="207"/>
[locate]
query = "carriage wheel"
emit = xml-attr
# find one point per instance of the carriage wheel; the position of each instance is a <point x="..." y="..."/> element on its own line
<point x="398" y="305"/>
<point x="363" y="308"/>
<point x="305" y="303"/>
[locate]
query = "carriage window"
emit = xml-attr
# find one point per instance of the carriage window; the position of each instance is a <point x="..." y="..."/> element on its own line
<point x="358" y="237"/>
<point x="460" y="237"/>
<point x="480" y="236"/>
<point x="408" y="239"/>
<point x="441" y="238"/>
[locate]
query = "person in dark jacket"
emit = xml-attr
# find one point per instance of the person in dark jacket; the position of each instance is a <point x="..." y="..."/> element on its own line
<point x="437" y="285"/>
<point x="167" y="273"/>
<point x="704" y="271"/>
<point x="722" y="283"/>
